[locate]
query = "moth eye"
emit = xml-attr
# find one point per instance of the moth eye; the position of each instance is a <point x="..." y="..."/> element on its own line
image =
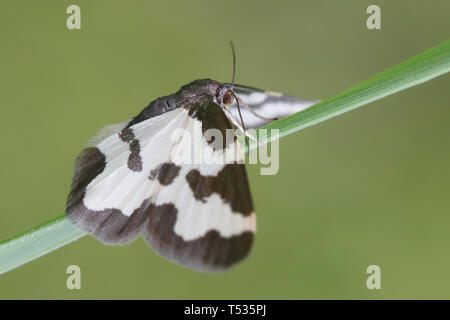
<point x="227" y="99"/>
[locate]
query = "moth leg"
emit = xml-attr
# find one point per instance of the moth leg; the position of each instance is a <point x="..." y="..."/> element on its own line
<point x="253" y="112"/>
<point x="238" y="125"/>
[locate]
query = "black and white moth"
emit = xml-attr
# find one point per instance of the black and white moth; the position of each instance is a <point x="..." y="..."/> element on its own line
<point x="125" y="184"/>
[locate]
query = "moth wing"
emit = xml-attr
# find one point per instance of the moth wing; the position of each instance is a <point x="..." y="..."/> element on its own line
<point x="267" y="104"/>
<point x="204" y="218"/>
<point x="111" y="186"/>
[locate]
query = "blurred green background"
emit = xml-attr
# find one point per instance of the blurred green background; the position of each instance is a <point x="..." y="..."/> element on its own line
<point x="369" y="187"/>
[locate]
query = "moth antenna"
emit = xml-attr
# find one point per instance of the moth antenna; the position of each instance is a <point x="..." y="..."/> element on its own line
<point x="233" y="52"/>
<point x="244" y="131"/>
<point x="234" y="63"/>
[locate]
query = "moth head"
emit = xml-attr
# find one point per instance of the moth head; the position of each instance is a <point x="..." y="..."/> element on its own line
<point x="224" y="96"/>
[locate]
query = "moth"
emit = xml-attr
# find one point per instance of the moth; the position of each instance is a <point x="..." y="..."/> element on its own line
<point x="126" y="183"/>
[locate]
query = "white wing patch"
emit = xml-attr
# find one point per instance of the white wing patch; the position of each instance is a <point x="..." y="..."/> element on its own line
<point x="202" y="156"/>
<point x="119" y="187"/>
<point x="197" y="218"/>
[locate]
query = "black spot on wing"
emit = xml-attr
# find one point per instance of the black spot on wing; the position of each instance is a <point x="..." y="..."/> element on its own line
<point x="165" y="173"/>
<point x="126" y="135"/>
<point x="213" y="117"/>
<point x="231" y="184"/>
<point x="134" y="159"/>
<point x="211" y="252"/>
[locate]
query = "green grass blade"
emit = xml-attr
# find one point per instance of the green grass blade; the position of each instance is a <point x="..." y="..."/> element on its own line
<point x="421" y="68"/>
<point x="37" y="242"/>
<point x="425" y="66"/>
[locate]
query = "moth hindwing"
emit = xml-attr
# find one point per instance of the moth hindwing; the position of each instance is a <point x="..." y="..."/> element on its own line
<point x="138" y="178"/>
